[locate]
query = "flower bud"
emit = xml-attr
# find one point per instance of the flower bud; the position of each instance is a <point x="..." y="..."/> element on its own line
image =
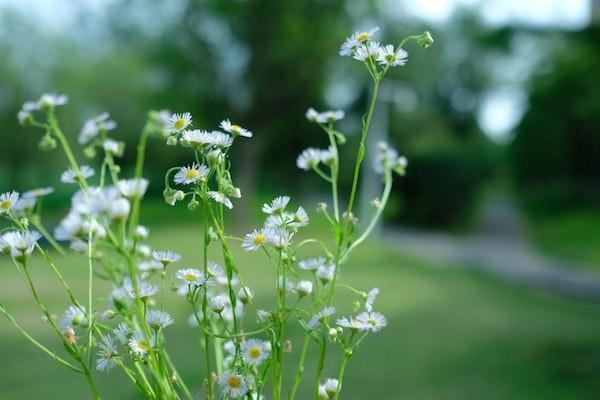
<point x="245" y="294"/>
<point x="25" y="118"/>
<point x="217" y="304"/>
<point x="287" y="346"/>
<point x="179" y="195"/>
<point x="47" y="142"/>
<point x="172" y="141"/>
<point x="304" y="288"/>
<point x="89" y="152"/>
<point x="333" y="333"/>
<point x="193" y="204"/>
<point x="425" y="40"/>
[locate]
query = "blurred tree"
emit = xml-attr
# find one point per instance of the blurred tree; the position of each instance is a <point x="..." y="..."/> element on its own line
<point x="556" y="153"/>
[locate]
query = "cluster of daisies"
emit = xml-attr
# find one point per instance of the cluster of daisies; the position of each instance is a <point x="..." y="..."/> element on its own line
<point x="210" y="150"/>
<point x="360" y="46"/>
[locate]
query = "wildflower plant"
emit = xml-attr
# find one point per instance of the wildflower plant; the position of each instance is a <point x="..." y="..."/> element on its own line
<point x="244" y="341"/>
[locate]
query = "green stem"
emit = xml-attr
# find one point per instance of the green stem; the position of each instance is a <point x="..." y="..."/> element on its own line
<point x="345" y="359"/>
<point x="320" y="365"/>
<point x="300" y="369"/>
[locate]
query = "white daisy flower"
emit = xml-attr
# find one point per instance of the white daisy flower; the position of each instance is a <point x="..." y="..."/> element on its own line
<point x="151" y="265"/>
<point x="323" y="393"/>
<point x="312" y="264"/>
<point x="276" y="206"/>
<point x="72" y="317"/>
<point x="93" y="126"/>
<point x="191" y="276"/>
<point x="113" y="147"/>
<point x="191" y="174"/>
<point x="370" y="50"/>
<point x="142" y="231"/>
<point x="107" y="351"/>
<point x="263" y="315"/>
<point x="373" y="321"/>
<point x="37" y="193"/>
<point x="390" y="57"/>
<point x="24" y="117"/>
<point x="330" y="116"/>
<point x="139" y="345"/>
<point x="352" y="324"/>
<point x="216" y="273"/>
<point x="255" y="352"/>
<point x="220" y="139"/>
<point x="233" y="385"/>
<point x="8" y="201"/>
<point x="300" y="218"/>
<point x="122" y="333"/>
<point x="245" y="294"/>
<point x="234" y="130"/>
<point x="312" y="114"/>
<point x="331" y="386"/>
<point x="388" y="158"/>
<point x="166" y="257"/>
<point x="146" y="290"/>
<point x="70" y="176"/>
<point x="328" y="156"/>
<point x="309" y="158"/>
<point x="132" y="188"/>
<point x="371" y="296"/>
<point x="178" y="122"/>
<point x="279" y="237"/>
<point x="254" y="240"/>
<point x="119" y="209"/>
<point x="325" y="273"/>
<point x="320" y="317"/>
<point x="220" y="198"/>
<point x="158" y="319"/>
<point x="21" y="244"/>
<point x="51" y="100"/>
<point x="217" y="303"/>
<point x="303" y="288"/>
<point x="356" y="40"/>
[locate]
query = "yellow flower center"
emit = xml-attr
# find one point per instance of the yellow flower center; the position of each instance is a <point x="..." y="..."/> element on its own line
<point x="258" y="239"/>
<point x="179" y="124"/>
<point x="234" y="382"/>
<point x="254" y="352"/>
<point x="390" y="57"/>
<point x="144" y="345"/>
<point x="5" y="205"/>
<point x="190" y="277"/>
<point x="107" y="352"/>
<point x="361" y="37"/>
<point x="191" y="174"/>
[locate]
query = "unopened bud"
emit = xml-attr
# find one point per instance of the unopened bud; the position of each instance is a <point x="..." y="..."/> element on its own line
<point x="172" y="141"/>
<point x="425" y="40"/>
<point x="287" y="346"/>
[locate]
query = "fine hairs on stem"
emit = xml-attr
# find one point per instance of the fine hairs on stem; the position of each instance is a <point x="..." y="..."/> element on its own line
<point x="243" y="340"/>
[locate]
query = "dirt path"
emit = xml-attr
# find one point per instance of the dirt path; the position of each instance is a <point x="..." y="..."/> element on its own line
<point x="499" y="247"/>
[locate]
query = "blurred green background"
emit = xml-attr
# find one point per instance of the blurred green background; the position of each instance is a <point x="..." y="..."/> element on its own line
<point x="499" y="120"/>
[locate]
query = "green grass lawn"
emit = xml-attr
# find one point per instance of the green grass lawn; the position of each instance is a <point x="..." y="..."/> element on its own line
<point x="572" y="235"/>
<point x="452" y="334"/>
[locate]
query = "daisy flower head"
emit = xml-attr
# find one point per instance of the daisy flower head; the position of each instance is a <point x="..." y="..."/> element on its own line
<point x="37" y="193"/>
<point x="220" y="198"/>
<point x="191" y="174"/>
<point x="320" y="317"/>
<point x="107" y="351"/>
<point x="390" y="57"/>
<point x="388" y="158"/>
<point x="300" y="218"/>
<point x="373" y="321"/>
<point x="24" y="117"/>
<point x="325" y="273"/>
<point x="332" y="386"/>
<point x="139" y="345"/>
<point x="145" y="289"/>
<point x="158" y="319"/>
<point x="303" y="288"/>
<point x="142" y="231"/>
<point x="215" y="270"/>
<point x="263" y="315"/>
<point x="234" y="130"/>
<point x="233" y="385"/>
<point x="178" y="122"/>
<point x="371" y="296"/>
<point x="73" y="316"/>
<point x="367" y="51"/>
<point x="191" y="276"/>
<point x="8" y="201"/>
<point x="326" y="117"/>
<point x="357" y="38"/>
<point x="71" y="176"/>
<point x="255" y="351"/>
<point x="166" y="257"/>
<point x="352" y="323"/>
<point x="312" y="114"/>
<point x="254" y="240"/>
<point x="119" y="209"/>
<point x="323" y="393"/>
<point x="279" y="237"/>
<point x="217" y="303"/>
<point x="245" y="294"/>
<point x="312" y="264"/>
<point x="21" y="244"/>
<point x="276" y="206"/>
<point x="122" y="333"/>
<point x="133" y="188"/>
<point x="48" y="101"/>
<point x="93" y="126"/>
<point x="328" y="156"/>
<point x="309" y="159"/>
